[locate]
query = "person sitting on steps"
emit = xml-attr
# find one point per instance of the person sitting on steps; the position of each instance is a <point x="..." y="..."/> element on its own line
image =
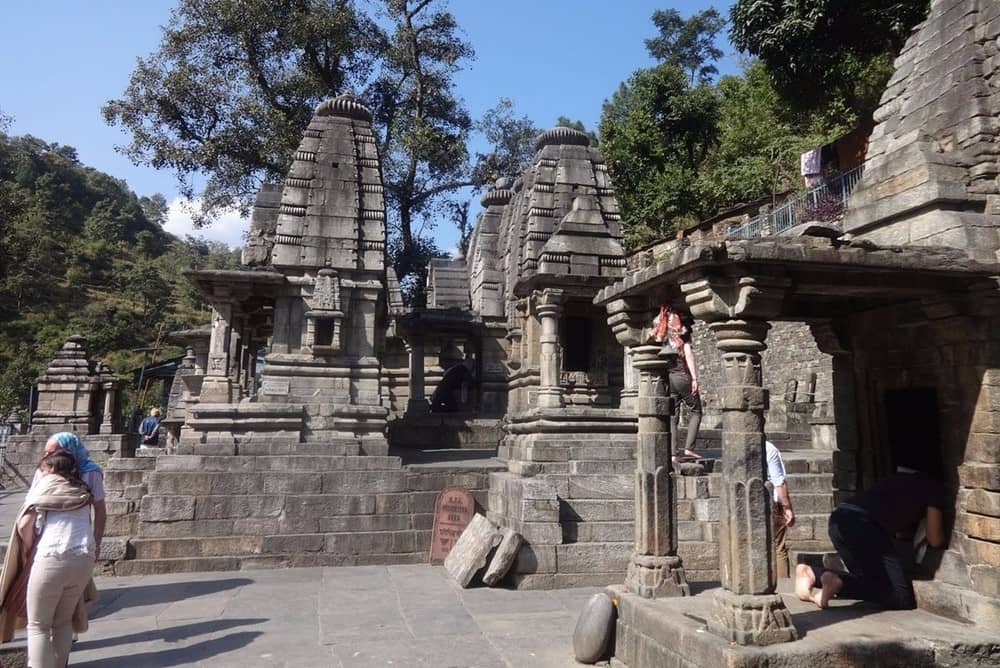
<point x="862" y="530"/>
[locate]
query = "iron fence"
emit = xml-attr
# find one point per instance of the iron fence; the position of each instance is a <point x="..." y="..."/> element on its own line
<point x="825" y="202"/>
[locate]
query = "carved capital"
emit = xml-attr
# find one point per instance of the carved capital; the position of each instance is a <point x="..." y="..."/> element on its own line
<point x="549" y="302"/>
<point x="740" y="336"/>
<point x="715" y="298"/>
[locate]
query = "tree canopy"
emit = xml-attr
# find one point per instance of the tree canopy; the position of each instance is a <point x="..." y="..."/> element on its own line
<point x="829" y="56"/>
<point x="688" y="43"/>
<point x="681" y="147"/>
<point x="224" y="99"/>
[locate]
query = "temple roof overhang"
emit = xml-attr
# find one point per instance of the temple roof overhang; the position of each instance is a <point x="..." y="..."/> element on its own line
<point x="235" y="284"/>
<point x="430" y="321"/>
<point x="825" y="278"/>
<point x="575" y="286"/>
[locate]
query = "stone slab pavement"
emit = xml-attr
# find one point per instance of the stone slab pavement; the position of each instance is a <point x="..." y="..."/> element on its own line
<point x="344" y="617"/>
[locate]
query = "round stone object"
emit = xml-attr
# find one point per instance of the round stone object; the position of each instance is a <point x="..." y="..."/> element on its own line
<point x="594" y="628"/>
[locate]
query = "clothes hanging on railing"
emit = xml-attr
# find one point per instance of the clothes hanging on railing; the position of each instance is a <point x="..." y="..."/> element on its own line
<point x="811" y="162"/>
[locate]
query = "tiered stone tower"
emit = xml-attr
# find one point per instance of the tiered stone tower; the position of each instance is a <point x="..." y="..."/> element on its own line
<point x="931" y="171"/>
<point x="540" y="252"/>
<point x="288" y="465"/>
<point x="330" y="243"/>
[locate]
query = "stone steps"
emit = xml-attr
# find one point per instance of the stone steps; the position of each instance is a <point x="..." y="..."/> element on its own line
<point x="264" y="561"/>
<point x="349" y="543"/>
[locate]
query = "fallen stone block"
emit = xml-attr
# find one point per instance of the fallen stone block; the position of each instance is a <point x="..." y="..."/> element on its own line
<point x="503" y="558"/>
<point x="473" y="548"/>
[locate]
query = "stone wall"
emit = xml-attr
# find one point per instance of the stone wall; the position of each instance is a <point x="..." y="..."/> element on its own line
<point x="953" y="348"/>
<point x="23" y="452"/>
<point x="791" y="360"/>
<point x="195" y="512"/>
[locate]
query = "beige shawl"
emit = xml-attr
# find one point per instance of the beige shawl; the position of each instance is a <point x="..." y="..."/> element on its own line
<point x="51" y="493"/>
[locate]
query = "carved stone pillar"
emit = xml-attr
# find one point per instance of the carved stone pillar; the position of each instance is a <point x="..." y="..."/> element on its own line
<point x="844" y="406"/>
<point x="746" y="610"/>
<point x="217" y="387"/>
<point x="655" y="570"/>
<point x="417" y="403"/>
<point x="107" y="422"/>
<point x="630" y="383"/>
<point x="549" y="307"/>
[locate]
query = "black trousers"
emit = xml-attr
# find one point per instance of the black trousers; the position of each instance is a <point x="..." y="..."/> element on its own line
<point x="876" y="572"/>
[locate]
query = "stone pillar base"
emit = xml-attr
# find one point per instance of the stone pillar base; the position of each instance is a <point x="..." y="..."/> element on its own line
<point x="216" y="390"/>
<point x="751" y="619"/>
<point x="656" y="576"/>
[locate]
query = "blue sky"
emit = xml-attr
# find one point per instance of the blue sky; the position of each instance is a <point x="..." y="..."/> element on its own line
<point x="61" y="60"/>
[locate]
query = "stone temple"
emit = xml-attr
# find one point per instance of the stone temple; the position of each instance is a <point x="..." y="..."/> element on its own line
<point x="301" y="430"/>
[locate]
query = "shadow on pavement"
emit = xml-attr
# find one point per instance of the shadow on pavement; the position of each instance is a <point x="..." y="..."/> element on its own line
<point x="172" y="634"/>
<point x="113" y="600"/>
<point x="180" y="656"/>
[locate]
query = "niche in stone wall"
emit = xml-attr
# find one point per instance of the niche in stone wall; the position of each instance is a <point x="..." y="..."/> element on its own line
<point x="325" y="329"/>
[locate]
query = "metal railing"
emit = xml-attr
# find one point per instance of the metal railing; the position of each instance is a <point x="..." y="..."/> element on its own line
<point x="825" y="202"/>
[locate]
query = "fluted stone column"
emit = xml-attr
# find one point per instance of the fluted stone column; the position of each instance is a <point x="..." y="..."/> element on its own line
<point x="655" y="569"/>
<point x="549" y="307"/>
<point x="746" y="610"/>
<point x="417" y="403"/>
<point x="630" y="383"/>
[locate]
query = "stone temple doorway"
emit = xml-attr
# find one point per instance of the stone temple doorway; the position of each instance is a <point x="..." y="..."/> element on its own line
<point x="913" y="429"/>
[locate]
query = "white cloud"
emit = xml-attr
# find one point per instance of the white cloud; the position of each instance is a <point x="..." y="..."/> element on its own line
<point x="230" y="228"/>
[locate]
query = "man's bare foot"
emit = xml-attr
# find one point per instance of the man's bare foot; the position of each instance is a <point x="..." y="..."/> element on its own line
<point x="831" y="586"/>
<point x="805" y="579"/>
<point x="692" y="453"/>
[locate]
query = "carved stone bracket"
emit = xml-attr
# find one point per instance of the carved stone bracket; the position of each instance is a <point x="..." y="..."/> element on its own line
<point x="627" y="319"/>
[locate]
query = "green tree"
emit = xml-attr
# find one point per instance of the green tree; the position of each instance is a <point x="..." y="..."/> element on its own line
<point x="759" y="140"/>
<point x="832" y="55"/>
<point x="656" y="132"/>
<point x="688" y="43"/>
<point x="512" y="142"/>
<point x="231" y="86"/>
<point x="224" y="99"/>
<point x="79" y="255"/>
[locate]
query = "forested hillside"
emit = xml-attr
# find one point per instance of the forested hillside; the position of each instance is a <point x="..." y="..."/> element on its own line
<point x="82" y="254"/>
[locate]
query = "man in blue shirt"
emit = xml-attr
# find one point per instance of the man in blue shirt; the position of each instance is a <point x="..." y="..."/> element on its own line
<point x="782" y="513"/>
<point x="149" y="429"/>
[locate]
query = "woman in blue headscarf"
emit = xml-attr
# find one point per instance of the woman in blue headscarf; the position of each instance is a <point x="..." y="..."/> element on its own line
<point x="90" y="473"/>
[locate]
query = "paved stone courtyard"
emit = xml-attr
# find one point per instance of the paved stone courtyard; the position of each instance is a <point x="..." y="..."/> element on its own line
<point x="300" y="618"/>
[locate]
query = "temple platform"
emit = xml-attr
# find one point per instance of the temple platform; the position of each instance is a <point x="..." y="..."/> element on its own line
<point x="673" y="632"/>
